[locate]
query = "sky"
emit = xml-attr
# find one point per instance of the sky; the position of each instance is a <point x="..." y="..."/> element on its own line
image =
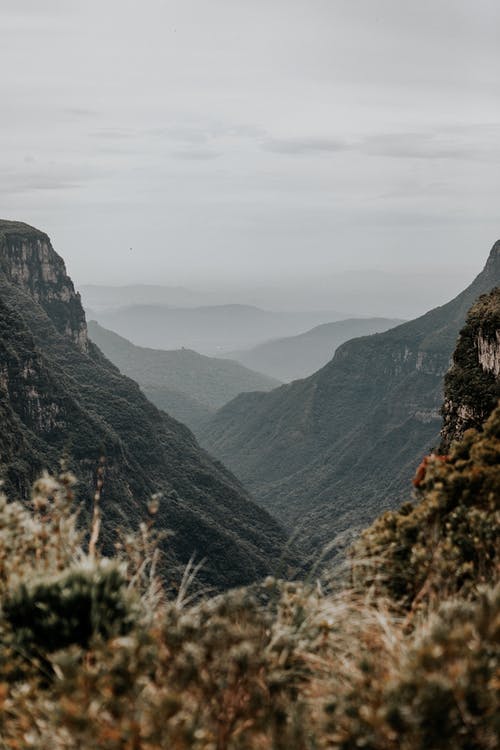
<point x="254" y="142"/>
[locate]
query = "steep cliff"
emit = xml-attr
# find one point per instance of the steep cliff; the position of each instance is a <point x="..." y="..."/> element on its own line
<point x="472" y="385"/>
<point x="28" y="260"/>
<point x="60" y="396"/>
<point x="331" y="451"/>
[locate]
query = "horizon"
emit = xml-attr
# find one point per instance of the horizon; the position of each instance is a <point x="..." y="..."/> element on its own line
<point x="353" y="293"/>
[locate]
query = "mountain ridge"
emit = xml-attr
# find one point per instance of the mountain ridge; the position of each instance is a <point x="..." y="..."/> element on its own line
<point x="208" y="329"/>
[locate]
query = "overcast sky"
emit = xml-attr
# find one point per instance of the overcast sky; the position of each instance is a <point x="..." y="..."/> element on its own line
<point x="188" y="141"/>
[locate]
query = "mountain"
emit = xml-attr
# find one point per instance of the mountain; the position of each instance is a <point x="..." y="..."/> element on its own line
<point x="360" y="292"/>
<point x="188" y="385"/>
<point x="333" y="450"/>
<point x="296" y="357"/>
<point x="211" y="329"/>
<point x="60" y="396"/>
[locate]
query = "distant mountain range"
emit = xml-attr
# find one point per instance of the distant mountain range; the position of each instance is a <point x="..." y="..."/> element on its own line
<point x="370" y="292"/>
<point x="101" y="297"/>
<point x="296" y="357"/>
<point x="61" y="398"/>
<point x="212" y="329"/>
<point x="331" y="451"/>
<point x="188" y="385"/>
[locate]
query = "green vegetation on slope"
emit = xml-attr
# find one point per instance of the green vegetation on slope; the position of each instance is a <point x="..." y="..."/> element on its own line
<point x="188" y="385"/>
<point x="448" y="543"/>
<point x="297" y="357"/>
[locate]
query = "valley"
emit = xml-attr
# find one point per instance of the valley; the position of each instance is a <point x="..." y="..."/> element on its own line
<point x="328" y="453"/>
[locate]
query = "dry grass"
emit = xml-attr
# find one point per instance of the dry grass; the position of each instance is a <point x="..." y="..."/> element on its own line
<point x="94" y="655"/>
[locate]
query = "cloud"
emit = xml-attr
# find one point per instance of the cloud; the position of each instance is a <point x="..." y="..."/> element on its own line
<point x="17" y="183"/>
<point x="34" y="177"/>
<point x="32" y="6"/>
<point x="196" y="154"/>
<point x="182" y="134"/>
<point x="81" y="112"/>
<point x="306" y="145"/>
<point x="439" y="145"/>
<point x="114" y="134"/>
<point x="473" y="142"/>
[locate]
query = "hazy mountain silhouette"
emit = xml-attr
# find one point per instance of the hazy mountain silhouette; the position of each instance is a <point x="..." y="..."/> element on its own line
<point x="188" y="385"/>
<point x="211" y="329"/>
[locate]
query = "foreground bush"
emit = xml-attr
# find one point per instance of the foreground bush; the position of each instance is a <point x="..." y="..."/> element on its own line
<point x="93" y="656"/>
<point x="437" y="689"/>
<point x="69" y="608"/>
<point x="447" y="544"/>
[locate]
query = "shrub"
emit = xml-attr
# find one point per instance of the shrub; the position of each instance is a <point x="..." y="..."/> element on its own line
<point x="447" y="544"/>
<point x="52" y="613"/>
<point x="438" y="690"/>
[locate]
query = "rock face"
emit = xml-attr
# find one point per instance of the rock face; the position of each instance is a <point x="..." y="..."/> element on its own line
<point x="330" y="452"/>
<point x="28" y="260"/>
<point x="488" y="351"/>
<point x="59" y="396"/>
<point x="472" y="386"/>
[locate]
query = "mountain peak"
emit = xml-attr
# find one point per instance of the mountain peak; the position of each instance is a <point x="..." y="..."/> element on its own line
<point x="9" y="227"/>
<point x="28" y="260"/>
<point x="494" y="256"/>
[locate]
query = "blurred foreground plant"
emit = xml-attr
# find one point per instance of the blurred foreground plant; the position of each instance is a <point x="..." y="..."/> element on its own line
<point x="94" y="654"/>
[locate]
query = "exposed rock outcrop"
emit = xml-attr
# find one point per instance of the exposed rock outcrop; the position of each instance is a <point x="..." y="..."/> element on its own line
<point x="29" y="261"/>
<point x="472" y="386"/>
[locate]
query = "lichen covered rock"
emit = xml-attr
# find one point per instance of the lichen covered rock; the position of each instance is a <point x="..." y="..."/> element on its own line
<point x="472" y="385"/>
